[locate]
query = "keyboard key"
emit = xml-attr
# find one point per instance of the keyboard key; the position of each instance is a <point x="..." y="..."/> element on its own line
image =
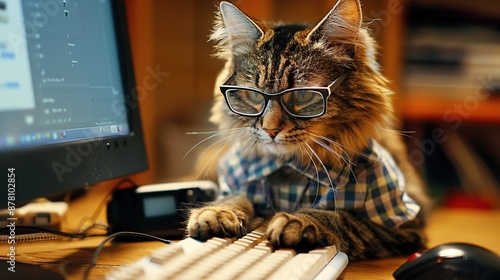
<point x="162" y="254"/>
<point x="209" y="263"/>
<point x="251" y="257"/>
<point x="305" y="265"/>
<point x="181" y="262"/>
<point x="238" y="265"/>
<point x="267" y="265"/>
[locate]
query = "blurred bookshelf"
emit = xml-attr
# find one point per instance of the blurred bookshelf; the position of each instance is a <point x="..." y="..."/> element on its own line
<point x="452" y="54"/>
<point x="437" y="108"/>
<point x="449" y="81"/>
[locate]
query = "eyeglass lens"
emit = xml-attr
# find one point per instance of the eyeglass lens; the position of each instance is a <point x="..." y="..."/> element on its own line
<point x="246" y="102"/>
<point x="304" y="103"/>
<point x="301" y="102"/>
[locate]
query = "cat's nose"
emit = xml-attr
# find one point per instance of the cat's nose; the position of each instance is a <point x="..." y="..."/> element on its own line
<point x="272" y="132"/>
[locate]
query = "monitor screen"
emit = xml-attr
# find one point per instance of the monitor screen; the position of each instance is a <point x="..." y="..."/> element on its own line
<point x="68" y="116"/>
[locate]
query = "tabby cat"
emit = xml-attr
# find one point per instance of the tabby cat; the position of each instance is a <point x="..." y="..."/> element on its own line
<point x="307" y="121"/>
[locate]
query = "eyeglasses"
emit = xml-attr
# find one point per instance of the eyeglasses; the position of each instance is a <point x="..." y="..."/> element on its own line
<point x="307" y="102"/>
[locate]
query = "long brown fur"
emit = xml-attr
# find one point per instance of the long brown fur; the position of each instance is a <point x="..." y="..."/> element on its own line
<point x="359" y="110"/>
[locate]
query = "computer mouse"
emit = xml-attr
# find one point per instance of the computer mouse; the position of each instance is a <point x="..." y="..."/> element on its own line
<point x="453" y="261"/>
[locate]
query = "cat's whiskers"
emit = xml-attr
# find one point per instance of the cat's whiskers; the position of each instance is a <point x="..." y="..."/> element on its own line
<point x="398" y="132"/>
<point x="206" y="169"/>
<point x="339" y="157"/>
<point x="326" y="171"/>
<point x="318" y="187"/>
<point x="216" y="133"/>
<point x="215" y="157"/>
<point x="348" y="162"/>
<point x="226" y="137"/>
<point x="250" y="147"/>
<point x="340" y="146"/>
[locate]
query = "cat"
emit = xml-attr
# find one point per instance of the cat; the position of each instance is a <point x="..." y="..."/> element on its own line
<point x="310" y="145"/>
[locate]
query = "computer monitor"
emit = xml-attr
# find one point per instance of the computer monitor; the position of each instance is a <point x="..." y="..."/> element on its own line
<point x="69" y="112"/>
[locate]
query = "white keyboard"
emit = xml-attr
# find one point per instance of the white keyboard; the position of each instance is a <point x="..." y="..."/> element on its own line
<point x="250" y="257"/>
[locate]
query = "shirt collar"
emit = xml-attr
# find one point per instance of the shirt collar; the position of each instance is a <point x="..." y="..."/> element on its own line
<point x="252" y="167"/>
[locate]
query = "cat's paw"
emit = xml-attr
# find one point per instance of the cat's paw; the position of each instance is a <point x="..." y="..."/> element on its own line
<point x="216" y="221"/>
<point x="294" y="231"/>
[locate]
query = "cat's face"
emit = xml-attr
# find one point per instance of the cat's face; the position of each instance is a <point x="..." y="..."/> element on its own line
<point x="274" y="58"/>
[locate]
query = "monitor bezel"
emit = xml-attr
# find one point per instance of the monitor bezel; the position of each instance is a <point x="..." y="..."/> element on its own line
<point x="59" y="168"/>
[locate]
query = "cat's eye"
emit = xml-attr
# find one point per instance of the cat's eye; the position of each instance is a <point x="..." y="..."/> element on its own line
<point x="252" y="97"/>
<point x="307" y="102"/>
<point x="246" y="101"/>
<point x="303" y="96"/>
<point x="303" y="102"/>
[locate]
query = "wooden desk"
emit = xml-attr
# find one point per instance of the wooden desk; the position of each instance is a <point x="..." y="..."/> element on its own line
<point x="480" y="227"/>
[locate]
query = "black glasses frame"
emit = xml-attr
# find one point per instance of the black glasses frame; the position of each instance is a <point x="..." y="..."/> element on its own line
<point x="324" y="91"/>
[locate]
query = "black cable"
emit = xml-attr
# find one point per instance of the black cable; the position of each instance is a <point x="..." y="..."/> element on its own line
<point x="114" y="235"/>
<point x="104" y="201"/>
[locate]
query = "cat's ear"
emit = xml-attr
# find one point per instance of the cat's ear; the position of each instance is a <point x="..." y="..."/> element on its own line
<point x="234" y="31"/>
<point x="341" y="25"/>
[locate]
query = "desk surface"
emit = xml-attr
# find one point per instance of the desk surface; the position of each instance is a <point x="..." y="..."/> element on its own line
<point x="480" y="227"/>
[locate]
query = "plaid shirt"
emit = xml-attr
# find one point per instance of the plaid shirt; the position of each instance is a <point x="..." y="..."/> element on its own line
<point x="372" y="184"/>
